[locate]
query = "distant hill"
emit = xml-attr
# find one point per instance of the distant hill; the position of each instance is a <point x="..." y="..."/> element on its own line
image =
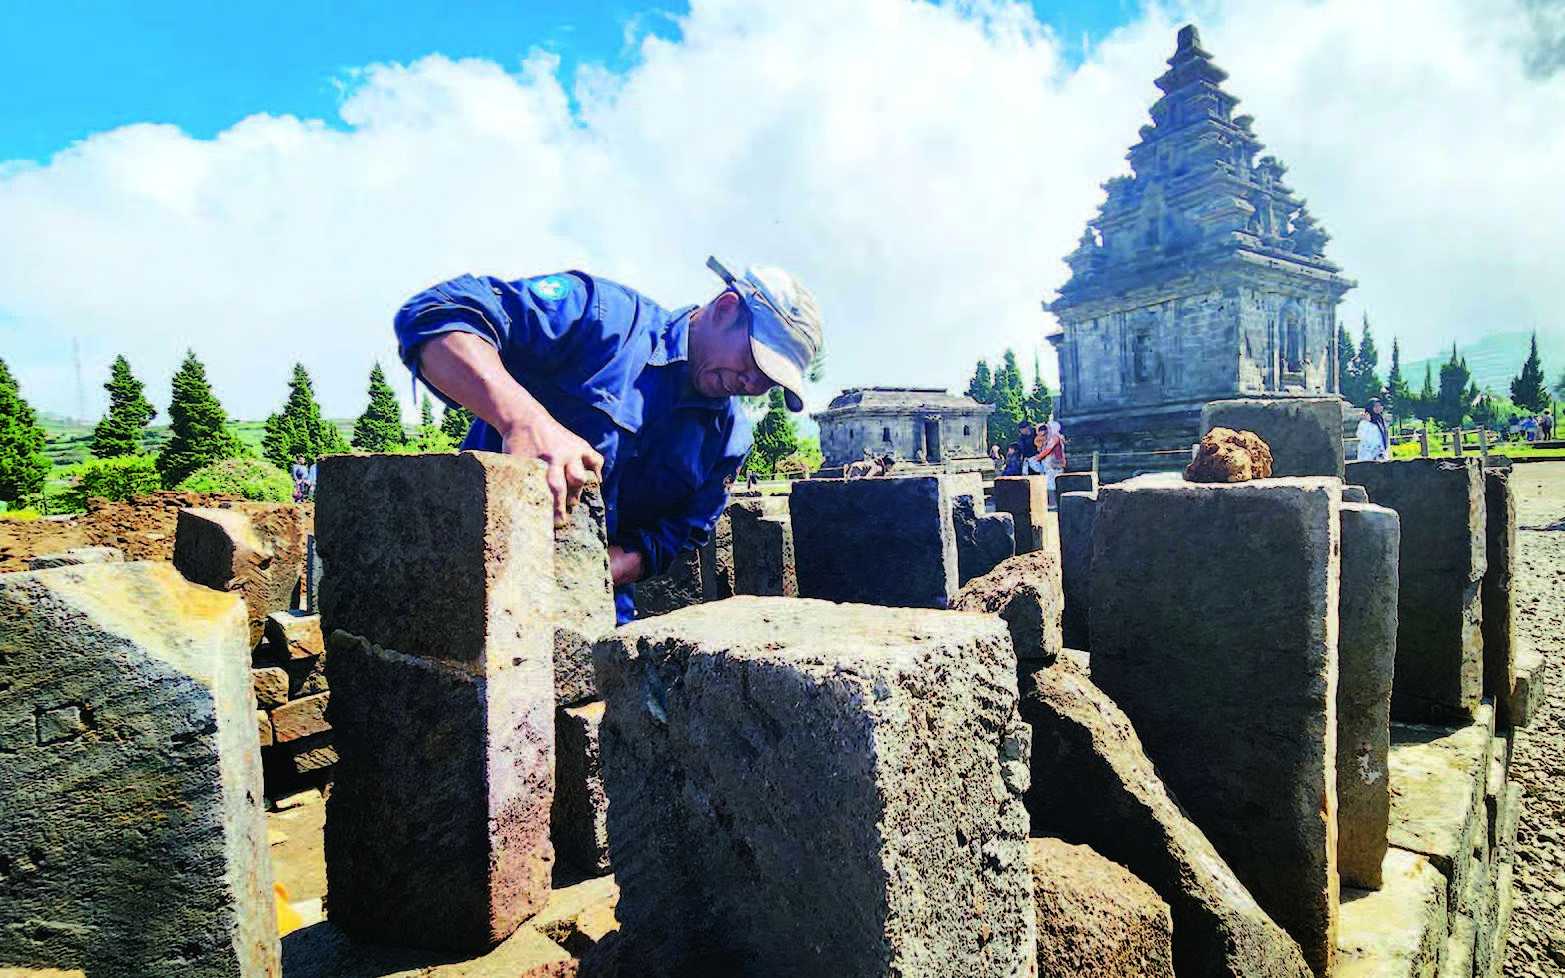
<point x="69" y="440"/>
<point x="1493" y="360"/>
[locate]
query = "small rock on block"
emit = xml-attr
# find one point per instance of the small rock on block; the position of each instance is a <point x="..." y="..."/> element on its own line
<point x="756" y="753"/>
<point x="875" y="541"/>
<point x="579" y="822"/>
<point x="294" y="635"/>
<point x="256" y="549"/>
<point x="439" y="613"/>
<point x="1303" y="433"/>
<point x="1095" y="917"/>
<point x="127" y="696"/>
<point x="1026" y="498"/>
<point x="1025" y="592"/>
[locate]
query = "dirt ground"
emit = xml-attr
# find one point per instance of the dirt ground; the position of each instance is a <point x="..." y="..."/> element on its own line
<point x="1537" y="941"/>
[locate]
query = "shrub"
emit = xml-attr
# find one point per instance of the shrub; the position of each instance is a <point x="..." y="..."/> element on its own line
<point x="252" y="478"/>
<point x="119" y="478"/>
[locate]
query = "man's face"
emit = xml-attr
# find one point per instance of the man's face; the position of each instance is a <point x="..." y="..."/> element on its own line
<point x="721" y="362"/>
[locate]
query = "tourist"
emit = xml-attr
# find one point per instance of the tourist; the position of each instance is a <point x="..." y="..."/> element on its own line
<point x="1051" y="452"/>
<point x="1013" y="462"/>
<point x="1374" y="439"/>
<point x="604" y="385"/>
<point x="301" y="474"/>
<point x="1024" y="446"/>
<point x="1530" y="428"/>
<point x="1546" y="425"/>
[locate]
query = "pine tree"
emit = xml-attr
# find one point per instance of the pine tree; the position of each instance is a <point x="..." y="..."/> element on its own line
<point x="1401" y="397"/>
<point x="1365" y="361"/>
<point x="121" y="430"/>
<point x="1345" y="353"/>
<point x="981" y="387"/>
<point x="429" y="437"/>
<point x="1010" y="400"/>
<point x="1426" y="395"/>
<point x="1456" y="391"/>
<point x="298" y="430"/>
<point x="198" y="426"/>
<point x="1528" y="389"/>
<point x="1040" y="403"/>
<point x="379" y="428"/>
<point x="455" y="422"/>
<point x="775" y="436"/>
<point x="23" y="464"/>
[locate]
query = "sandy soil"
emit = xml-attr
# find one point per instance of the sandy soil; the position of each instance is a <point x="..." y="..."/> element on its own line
<point x="142" y="528"/>
<point x="1537" y="941"/>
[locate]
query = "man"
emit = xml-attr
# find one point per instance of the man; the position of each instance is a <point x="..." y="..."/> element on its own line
<point x="602" y="384"/>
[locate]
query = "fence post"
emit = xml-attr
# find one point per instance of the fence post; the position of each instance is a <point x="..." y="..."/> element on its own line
<point x="1483" y="443"/>
<point x="1423" y="442"/>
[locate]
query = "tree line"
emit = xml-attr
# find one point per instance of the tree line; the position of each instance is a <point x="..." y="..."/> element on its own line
<point x="1011" y="400"/>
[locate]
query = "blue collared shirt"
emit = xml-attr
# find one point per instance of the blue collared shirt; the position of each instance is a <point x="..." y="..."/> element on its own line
<point x="611" y="365"/>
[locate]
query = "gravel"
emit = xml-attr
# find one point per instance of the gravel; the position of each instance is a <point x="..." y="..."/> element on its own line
<point x="1537" y="940"/>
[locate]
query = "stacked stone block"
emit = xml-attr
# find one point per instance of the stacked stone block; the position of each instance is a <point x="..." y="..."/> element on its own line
<point x="1214" y="627"/>
<point x="1077" y="511"/>
<point x="254" y="549"/>
<point x="133" y="840"/>
<point x="1440" y="660"/>
<point x="983" y="539"/>
<point x="762" y="820"/>
<point x="1499" y="598"/>
<point x="1303" y="433"/>
<point x="1026" y="498"/>
<point x="875" y="541"/>
<point x="763" y="552"/>
<point x="439" y="612"/>
<point x="290" y="688"/>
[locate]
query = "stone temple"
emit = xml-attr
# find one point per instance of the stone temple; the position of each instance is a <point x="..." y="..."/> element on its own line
<point x="919" y="424"/>
<point x="1203" y="277"/>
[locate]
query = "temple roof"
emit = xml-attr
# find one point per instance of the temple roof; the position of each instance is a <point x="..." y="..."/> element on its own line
<point x="898" y="399"/>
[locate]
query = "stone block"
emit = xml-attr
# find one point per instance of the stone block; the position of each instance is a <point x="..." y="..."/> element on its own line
<point x="584" y="598"/>
<point x="580" y="915"/>
<point x="578" y="822"/>
<point x="306" y="677"/>
<point x="263" y="723"/>
<point x="1399" y="930"/>
<point x="1439" y="667"/>
<point x="439" y="615"/>
<point x="1505" y="903"/>
<point x="717" y="561"/>
<point x="1303" y="433"/>
<point x="982" y="539"/>
<point x="1077" y="511"/>
<point x="763" y="555"/>
<point x="1095" y="917"/>
<point x="294" y="635"/>
<point x="301" y="718"/>
<point x="255" y="549"/>
<point x="1437" y="792"/>
<point x="849" y="534"/>
<point x="1075" y="482"/>
<point x="1457" y="960"/>
<point x="323" y="950"/>
<point x="1498" y="598"/>
<point x="1025" y="592"/>
<point x="310" y="755"/>
<point x="1093" y="784"/>
<point x="678" y="587"/>
<point x="762" y="821"/>
<point x="271" y="687"/>
<point x="1354" y="494"/>
<point x="1366" y="652"/>
<point x="1529" y="687"/>
<point x="1219" y="601"/>
<point x="133" y="841"/>
<point x="1026" y="498"/>
<point x="79" y="555"/>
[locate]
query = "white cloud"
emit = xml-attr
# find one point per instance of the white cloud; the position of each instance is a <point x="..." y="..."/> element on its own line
<point x="922" y="168"/>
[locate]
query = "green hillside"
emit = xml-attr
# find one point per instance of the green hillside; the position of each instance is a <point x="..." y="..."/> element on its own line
<point x="1493" y="360"/>
<point x="69" y="440"/>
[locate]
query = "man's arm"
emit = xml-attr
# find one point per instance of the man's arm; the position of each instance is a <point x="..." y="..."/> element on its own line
<point x="468" y="370"/>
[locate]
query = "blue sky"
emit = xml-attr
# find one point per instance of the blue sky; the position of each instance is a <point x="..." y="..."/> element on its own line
<point x="70" y="68"/>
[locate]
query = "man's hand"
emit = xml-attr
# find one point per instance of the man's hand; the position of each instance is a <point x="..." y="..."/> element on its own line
<point x="572" y="462"/>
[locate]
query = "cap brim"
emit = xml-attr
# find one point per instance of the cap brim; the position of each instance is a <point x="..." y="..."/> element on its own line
<point x="782" y="373"/>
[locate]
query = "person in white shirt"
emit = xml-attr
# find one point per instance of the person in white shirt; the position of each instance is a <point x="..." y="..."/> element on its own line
<point x="1374" y="439"/>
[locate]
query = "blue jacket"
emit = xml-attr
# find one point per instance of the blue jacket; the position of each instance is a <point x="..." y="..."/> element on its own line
<point x="610" y="365"/>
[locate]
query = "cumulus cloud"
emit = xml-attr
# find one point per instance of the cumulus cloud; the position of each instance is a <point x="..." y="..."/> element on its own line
<point x="923" y="168"/>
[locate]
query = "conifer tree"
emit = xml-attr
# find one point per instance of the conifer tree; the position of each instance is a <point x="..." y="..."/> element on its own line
<point x="1401" y="396"/>
<point x="981" y="387"/>
<point x="1528" y="389"/>
<point x="23" y="464"/>
<point x="1345" y="353"/>
<point x="429" y="437"/>
<point x="1426" y="395"/>
<point x="455" y="422"/>
<point x="379" y="428"/>
<point x="775" y="437"/>
<point x="298" y="430"/>
<point x="1010" y="400"/>
<point x="1366" y="381"/>
<point x="1040" y="403"/>
<point x="1456" y="391"/>
<point x="198" y="426"/>
<point x="123" y="426"/>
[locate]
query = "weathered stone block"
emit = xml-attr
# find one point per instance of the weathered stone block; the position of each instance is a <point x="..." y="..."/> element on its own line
<point x="1367" y="642"/>
<point x="578" y="822"/>
<point x="271" y="686"/>
<point x="301" y="718"/>
<point x="1220" y="601"/>
<point x="1399" y="930"/>
<point x="982" y="539"/>
<point x="439" y="612"/>
<point x="1025" y="592"/>
<point x="849" y="536"/>
<point x="1527" y="691"/>
<point x="1439" y="668"/>
<point x="1026" y="498"/>
<point x="310" y="755"/>
<point x="1092" y="784"/>
<point x="1226" y="455"/>
<point x="126" y="706"/>
<point x="679" y="587"/>
<point x="1303" y="433"/>
<point x="1095" y="917"/>
<point x="762" y="821"/>
<point x="263" y="724"/>
<point x="79" y="555"/>
<point x="1077" y="510"/>
<point x="323" y="951"/>
<point x="1354" y="494"/>
<point x="584" y="598"/>
<point x="717" y="561"/>
<point x="256" y="549"/>
<point x="763" y="555"/>
<point x="294" y="635"/>
<point x="1499" y="600"/>
<point x="1075" y="482"/>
